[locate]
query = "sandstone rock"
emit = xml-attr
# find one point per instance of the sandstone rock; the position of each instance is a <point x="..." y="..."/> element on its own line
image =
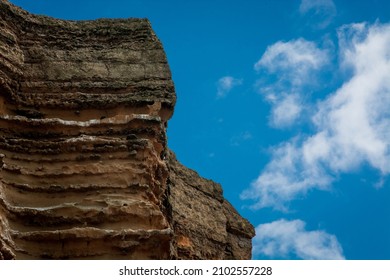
<point x="86" y="172"/>
<point x="206" y="225"/>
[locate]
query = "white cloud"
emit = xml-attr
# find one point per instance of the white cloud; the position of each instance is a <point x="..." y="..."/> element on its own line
<point x="352" y="125"/>
<point x="285" y="112"/>
<point x="284" y="239"/>
<point x="226" y="84"/>
<point x="293" y="61"/>
<point x="295" y="64"/>
<point x="285" y="177"/>
<point x="355" y="119"/>
<point x="322" y="11"/>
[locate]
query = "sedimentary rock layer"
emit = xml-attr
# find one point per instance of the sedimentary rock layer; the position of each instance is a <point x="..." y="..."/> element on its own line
<point x="206" y="225"/>
<point x="86" y="172"/>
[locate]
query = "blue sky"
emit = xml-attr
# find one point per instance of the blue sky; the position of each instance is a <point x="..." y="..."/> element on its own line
<point x="285" y="103"/>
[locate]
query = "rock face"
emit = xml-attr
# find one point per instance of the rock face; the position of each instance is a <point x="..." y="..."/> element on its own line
<point x="86" y="172"/>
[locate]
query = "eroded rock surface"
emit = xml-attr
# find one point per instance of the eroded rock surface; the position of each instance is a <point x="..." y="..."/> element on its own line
<point x="86" y="172"/>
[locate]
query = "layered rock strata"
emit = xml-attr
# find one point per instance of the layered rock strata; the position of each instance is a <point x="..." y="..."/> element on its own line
<point x="86" y="172"/>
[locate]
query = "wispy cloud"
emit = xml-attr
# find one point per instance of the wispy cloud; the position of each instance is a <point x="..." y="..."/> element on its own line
<point x="284" y="239"/>
<point x="226" y="84"/>
<point x="352" y="125"/>
<point x="317" y="5"/>
<point x="295" y="65"/>
<point x="293" y="61"/>
<point x="285" y="177"/>
<point x="241" y="138"/>
<point x="320" y="12"/>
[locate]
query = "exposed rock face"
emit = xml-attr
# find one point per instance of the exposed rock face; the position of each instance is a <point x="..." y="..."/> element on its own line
<point x="86" y="172"/>
<point x="206" y="225"/>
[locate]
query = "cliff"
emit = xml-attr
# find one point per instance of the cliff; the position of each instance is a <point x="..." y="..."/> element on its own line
<point x="86" y="172"/>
